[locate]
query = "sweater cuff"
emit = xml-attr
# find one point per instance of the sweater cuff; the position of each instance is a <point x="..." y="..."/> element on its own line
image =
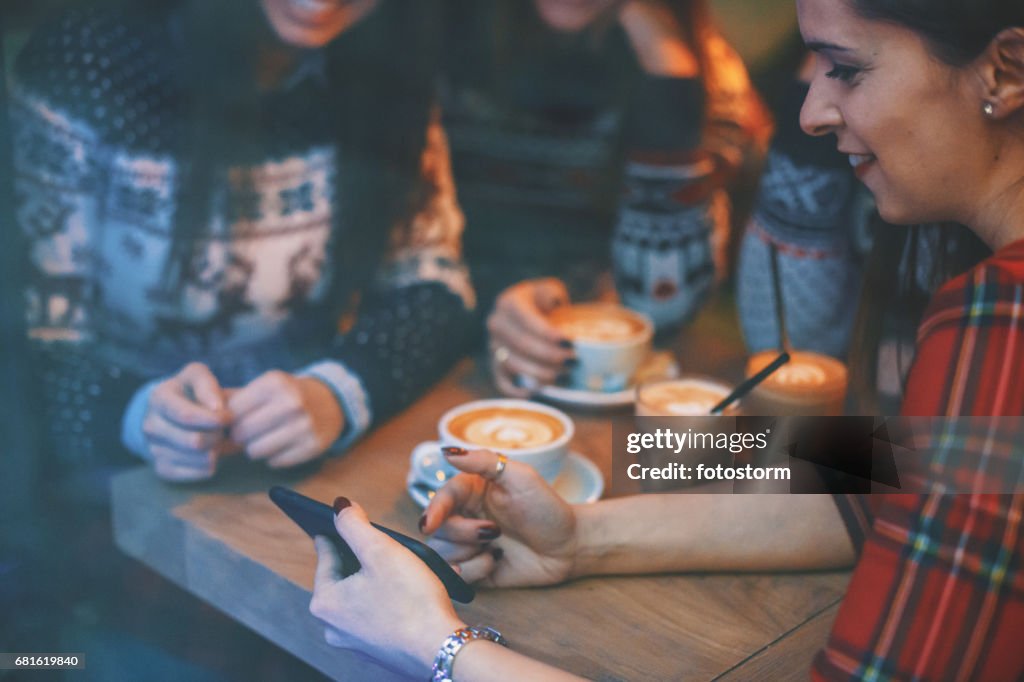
<point x="351" y="395"/>
<point x="131" y="423"/>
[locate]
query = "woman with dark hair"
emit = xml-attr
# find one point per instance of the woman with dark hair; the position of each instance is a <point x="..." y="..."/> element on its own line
<point x="590" y="138"/>
<point x="211" y="190"/>
<point x="830" y="250"/>
<point x="927" y="100"/>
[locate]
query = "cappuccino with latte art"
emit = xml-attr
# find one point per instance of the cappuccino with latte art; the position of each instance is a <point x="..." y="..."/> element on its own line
<point x="504" y="428"/>
<point x="810" y="384"/>
<point x="522" y="430"/>
<point x="610" y="343"/>
<point x="598" y="323"/>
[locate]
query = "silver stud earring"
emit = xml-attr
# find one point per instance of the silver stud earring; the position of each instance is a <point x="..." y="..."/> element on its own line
<point x="989" y="109"/>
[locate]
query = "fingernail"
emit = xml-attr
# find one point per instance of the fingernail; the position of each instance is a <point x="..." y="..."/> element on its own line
<point x="497" y="553"/>
<point x="570" y="362"/>
<point x="566" y="344"/>
<point x="341" y="503"/>
<point x="423" y="522"/>
<point x="488" y="533"/>
<point x="454" y="451"/>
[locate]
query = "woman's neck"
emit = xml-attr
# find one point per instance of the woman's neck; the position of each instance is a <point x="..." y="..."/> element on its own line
<point x="1001" y="221"/>
<point x="999" y="218"/>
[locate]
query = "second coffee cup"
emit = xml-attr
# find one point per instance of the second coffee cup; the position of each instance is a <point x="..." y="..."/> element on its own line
<point x="610" y="341"/>
<point x="521" y="430"/>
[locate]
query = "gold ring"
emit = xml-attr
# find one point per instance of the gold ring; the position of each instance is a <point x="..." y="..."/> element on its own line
<point x="499" y="468"/>
<point x="502" y="354"/>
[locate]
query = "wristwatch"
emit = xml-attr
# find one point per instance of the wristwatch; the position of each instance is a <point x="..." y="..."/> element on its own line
<point x="445" y="658"/>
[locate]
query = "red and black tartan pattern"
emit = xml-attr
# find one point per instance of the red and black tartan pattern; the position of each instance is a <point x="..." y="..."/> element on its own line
<point x="938" y="590"/>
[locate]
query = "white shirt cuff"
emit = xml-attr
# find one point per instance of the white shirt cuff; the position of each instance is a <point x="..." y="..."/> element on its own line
<point x="131" y="423"/>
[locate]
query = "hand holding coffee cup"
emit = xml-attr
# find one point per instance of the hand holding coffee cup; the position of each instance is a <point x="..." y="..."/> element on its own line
<point x="527" y="351"/>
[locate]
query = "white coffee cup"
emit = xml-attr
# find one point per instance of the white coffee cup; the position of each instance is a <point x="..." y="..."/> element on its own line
<point x="522" y="430"/>
<point x="610" y="342"/>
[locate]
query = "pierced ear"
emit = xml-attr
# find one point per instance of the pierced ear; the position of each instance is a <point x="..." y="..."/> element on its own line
<point x="1003" y="73"/>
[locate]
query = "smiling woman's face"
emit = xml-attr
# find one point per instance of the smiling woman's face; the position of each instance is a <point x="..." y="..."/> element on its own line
<point x="314" y="23"/>
<point x="571" y="16"/>
<point x="911" y="124"/>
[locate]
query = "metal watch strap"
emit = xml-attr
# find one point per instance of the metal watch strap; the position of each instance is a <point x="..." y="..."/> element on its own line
<point x="445" y="658"/>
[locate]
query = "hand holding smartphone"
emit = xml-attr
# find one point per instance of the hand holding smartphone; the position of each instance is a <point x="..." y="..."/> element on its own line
<point x="316" y="518"/>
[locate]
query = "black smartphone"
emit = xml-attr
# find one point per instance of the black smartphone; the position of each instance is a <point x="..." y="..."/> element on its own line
<point x="316" y="518"/>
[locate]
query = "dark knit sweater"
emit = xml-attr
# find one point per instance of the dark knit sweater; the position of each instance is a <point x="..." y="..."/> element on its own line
<point x="569" y="159"/>
<point x="98" y="129"/>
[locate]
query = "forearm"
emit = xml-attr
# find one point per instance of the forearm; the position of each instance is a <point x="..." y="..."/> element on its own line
<point x="681" y="533"/>
<point x="490" y="662"/>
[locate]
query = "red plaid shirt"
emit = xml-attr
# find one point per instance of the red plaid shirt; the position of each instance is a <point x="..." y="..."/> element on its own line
<point x="938" y="590"/>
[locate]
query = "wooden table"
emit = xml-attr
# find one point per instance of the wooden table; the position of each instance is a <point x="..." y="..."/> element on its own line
<point x="225" y="542"/>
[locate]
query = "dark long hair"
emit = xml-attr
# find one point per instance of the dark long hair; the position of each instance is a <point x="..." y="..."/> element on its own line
<point x="380" y="83"/>
<point x="956" y="32"/>
<point x="517" y="30"/>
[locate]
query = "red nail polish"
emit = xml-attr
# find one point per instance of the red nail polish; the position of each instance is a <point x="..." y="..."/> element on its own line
<point x="488" y="533"/>
<point x="423" y="522"/>
<point x="341" y="503"/>
<point x="497" y="553"/>
<point x="454" y="451"/>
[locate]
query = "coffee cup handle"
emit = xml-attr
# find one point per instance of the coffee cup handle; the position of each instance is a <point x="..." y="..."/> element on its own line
<point x="422" y="450"/>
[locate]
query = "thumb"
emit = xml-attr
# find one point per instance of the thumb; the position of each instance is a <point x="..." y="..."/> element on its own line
<point x="204" y="386"/>
<point x="355" y="529"/>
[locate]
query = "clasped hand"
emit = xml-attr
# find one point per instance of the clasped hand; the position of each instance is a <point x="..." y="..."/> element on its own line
<point x="278" y="418"/>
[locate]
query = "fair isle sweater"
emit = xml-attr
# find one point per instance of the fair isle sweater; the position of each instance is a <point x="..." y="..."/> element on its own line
<point x="97" y="121"/>
<point x="572" y="162"/>
<point x="812" y="212"/>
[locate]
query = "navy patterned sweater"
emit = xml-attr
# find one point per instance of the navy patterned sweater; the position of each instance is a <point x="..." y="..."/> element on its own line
<point x="573" y="162"/>
<point x="97" y="116"/>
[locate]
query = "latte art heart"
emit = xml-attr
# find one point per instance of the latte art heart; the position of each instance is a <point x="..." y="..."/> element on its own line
<point x="504" y="432"/>
<point x="800" y="374"/>
<point x="598" y="322"/>
<point x="600" y="329"/>
<point x="506" y="429"/>
<point x="682" y="397"/>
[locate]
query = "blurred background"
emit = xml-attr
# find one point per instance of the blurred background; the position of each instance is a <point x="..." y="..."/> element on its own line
<point x="764" y="33"/>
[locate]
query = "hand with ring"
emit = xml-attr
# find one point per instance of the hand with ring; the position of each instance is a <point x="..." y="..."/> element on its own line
<point x="527" y="352"/>
<point x="501" y="523"/>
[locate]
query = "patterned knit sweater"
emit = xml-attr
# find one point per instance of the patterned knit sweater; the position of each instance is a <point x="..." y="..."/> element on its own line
<point x="571" y="161"/>
<point x="813" y="213"/>
<point x="97" y="118"/>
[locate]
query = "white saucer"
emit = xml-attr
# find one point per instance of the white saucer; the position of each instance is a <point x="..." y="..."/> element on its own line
<point x="575" y="397"/>
<point x="580" y="482"/>
<point x="658" y="365"/>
